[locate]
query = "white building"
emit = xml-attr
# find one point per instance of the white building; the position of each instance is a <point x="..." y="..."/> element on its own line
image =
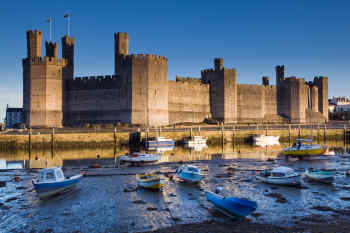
<point x="13" y="117"/>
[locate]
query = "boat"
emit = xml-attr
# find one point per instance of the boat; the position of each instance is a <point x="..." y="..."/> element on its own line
<point x="51" y="181"/>
<point x="232" y="206"/>
<point x="301" y="149"/>
<point x="318" y="175"/>
<point x="160" y="142"/>
<point x="138" y="157"/>
<point x="148" y="181"/>
<point x="264" y="140"/>
<point x="189" y="173"/>
<point x="195" y="141"/>
<point x="280" y="176"/>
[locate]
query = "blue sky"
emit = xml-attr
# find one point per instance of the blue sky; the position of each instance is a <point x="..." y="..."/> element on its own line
<point x="309" y="37"/>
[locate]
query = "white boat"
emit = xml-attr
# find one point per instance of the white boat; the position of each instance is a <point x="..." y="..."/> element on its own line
<point x="280" y="176"/>
<point x="138" y="157"/>
<point x="189" y="173"/>
<point x="263" y="140"/>
<point x="323" y="176"/>
<point x="195" y="140"/>
<point x="160" y="142"/>
<point x="51" y="181"/>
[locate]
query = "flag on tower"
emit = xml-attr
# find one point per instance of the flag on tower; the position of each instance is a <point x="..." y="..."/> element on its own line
<point x="66" y="15"/>
<point x="48" y="20"/>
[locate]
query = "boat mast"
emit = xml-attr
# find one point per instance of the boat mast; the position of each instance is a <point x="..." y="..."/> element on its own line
<point x="310" y="111"/>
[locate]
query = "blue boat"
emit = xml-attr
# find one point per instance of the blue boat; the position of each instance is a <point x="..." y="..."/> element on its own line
<point x="189" y="173"/>
<point x="51" y="181"/>
<point x="160" y="143"/>
<point x="232" y="206"/>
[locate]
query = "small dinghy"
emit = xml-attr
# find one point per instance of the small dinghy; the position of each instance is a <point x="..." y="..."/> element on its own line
<point x="280" y="176"/>
<point x="51" y="181"/>
<point x="323" y="176"/>
<point x="232" y="206"/>
<point x="189" y="173"/>
<point x="148" y="181"/>
<point x="139" y="158"/>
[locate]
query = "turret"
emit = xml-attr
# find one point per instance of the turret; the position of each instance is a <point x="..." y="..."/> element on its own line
<point x="51" y="49"/>
<point x="121" y="47"/>
<point x="34" y="43"/>
<point x="218" y="64"/>
<point x="68" y="55"/>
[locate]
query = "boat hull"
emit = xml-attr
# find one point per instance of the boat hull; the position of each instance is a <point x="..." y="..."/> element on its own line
<point x="310" y="152"/>
<point x="285" y="181"/>
<point x="190" y="177"/>
<point x="150" y="185"/>
<point x="48" y="189"/>
<point x="233" y="207"/>
<point x="323" y="177"/>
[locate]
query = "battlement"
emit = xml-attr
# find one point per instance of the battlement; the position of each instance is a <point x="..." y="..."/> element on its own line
<point x="320" y="78"/>
<point x="95" y="82"/>
<point x="44" y="61"/>
<point x="68" y="41"/>
<point x="141" y="58"/>
<point x="34" y="33"/>
<point x="187" y="79"/>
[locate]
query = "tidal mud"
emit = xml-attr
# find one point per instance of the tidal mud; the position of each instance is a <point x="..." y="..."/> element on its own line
<point x="112" y="203"/>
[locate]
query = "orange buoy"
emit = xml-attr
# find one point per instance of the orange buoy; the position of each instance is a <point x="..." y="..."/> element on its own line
<point x="16" y="179"/>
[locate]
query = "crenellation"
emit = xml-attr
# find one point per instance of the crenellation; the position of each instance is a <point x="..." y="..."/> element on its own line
<point x="139" y="91"/>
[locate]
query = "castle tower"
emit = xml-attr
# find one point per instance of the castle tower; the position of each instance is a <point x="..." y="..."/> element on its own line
<point x="51" y="49"/>
<point x="67" y="73"/>
<point x="314" y="98"/>
<point x="218" y="64"/>
<point x="42" y="84"/>
<point x="322" y="84"/>
<point x="266" y="81"/>
<point x="223" y="91"/>
<point x="280" y="70"/>
<point x="34" y="41"/>
<point x="121" y="47"/>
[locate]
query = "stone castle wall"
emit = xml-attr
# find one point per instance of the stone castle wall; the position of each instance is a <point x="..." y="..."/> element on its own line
<point x="139" y="92"/>
<point x="189" y="100"/>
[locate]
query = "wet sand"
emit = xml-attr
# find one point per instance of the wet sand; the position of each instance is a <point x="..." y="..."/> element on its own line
<point x="111" y="203"/>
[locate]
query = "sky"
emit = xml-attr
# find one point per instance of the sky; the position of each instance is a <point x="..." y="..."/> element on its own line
<point x="310" y="38"/>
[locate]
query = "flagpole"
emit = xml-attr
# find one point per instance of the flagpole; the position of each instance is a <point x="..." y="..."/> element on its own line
<point x="50" y="30"/>
<point x="68" y="23"/>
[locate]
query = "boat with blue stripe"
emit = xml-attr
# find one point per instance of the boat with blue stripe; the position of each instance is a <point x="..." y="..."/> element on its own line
<point x="189" y="173"/>
<point x="232" y="206"/>
<point x="51" y="181"/>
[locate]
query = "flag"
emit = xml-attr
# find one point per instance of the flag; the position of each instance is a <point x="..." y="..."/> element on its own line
<point x="48" y="20"/>
<point x="66" y="15"/>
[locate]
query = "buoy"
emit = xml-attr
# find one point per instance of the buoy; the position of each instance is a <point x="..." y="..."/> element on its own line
<point x="347" y="173"/>
<point x="84" y="173"/>
<point x="16" y="179"/>
<point x="95" y="165"/>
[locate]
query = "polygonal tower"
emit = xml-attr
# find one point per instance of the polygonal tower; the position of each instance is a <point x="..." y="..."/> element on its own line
<point x="42" y="83"/>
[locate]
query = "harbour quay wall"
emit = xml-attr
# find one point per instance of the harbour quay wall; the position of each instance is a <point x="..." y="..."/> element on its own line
<point x="106" y="139"/>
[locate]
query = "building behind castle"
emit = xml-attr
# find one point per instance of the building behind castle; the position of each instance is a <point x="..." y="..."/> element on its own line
<point x="139" y="92"/>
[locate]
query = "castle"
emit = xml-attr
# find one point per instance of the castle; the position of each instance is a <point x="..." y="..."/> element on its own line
<point x="139" y="92"/>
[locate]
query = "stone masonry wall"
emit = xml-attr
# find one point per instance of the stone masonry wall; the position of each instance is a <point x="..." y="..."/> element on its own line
<point x="250" y="102"/>
<point x="188" y="100"/>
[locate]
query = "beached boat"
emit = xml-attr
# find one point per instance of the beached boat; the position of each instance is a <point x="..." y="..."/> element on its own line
<point x="148" y="181"/>
<point x="138" y="157"/>
<point x="323" y="176"/>
<point x="266" y="140"/>
<point x="280" y="176"/>
<point x="232" y="206"/>
<point x="195" y="140"/>
<point x="300" y="149"/>
<point x="189" y="173"/>
<point x="159" y="142"/>
<point x="51" y="181"/>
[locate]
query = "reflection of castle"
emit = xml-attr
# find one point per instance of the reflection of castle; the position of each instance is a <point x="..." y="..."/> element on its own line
<point x="139" y="92"/>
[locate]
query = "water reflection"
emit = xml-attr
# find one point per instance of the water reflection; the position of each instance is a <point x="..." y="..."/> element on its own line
<point x="107" y="157"/>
